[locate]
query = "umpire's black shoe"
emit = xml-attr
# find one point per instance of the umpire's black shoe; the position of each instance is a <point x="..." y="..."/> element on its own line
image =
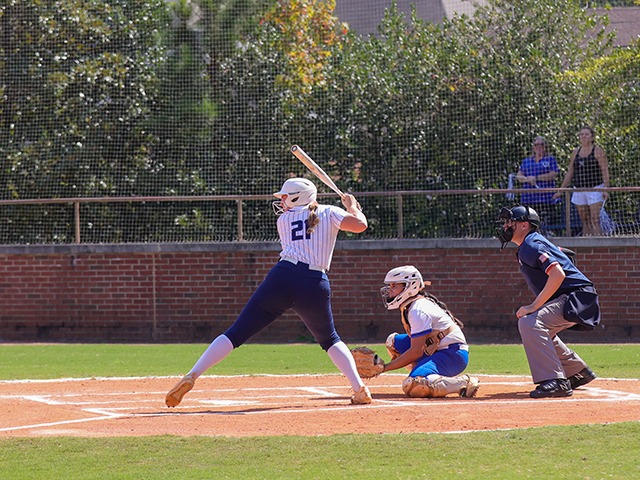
<point x="581" y="378"/>
<point x="558" y="387"/>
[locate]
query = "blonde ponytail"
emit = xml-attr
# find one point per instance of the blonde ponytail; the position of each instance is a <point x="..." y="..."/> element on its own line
<point x="313" y="219"/>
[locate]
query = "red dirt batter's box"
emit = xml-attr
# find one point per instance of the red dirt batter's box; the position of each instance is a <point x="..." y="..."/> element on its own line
<point x="293" y="405"/>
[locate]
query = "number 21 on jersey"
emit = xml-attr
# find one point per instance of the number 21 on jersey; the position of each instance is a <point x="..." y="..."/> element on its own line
<point x="299" y="230"/>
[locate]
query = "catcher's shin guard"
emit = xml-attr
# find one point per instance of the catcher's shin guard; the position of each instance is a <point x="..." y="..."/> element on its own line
<point x="418" y="387"/>
<point x="391" y="348"/>
<point x="439" y="386"/>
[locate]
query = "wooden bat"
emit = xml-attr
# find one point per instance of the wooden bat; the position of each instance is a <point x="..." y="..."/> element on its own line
<point x="308" y="162"/>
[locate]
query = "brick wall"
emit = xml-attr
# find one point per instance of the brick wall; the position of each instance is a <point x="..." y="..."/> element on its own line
<point x="192" y="292"/>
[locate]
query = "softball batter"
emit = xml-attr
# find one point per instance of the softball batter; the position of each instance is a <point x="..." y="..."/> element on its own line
<point x="434" y="346"/>
<point x="308" y="233"/>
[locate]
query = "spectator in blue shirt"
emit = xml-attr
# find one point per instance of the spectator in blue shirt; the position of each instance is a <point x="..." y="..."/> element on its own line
<point x="540" y="170"/>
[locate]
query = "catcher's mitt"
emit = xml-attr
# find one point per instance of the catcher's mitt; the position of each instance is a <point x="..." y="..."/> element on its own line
<point x="368" y="363"/>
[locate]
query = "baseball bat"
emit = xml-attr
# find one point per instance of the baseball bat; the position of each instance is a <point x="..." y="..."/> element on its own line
<point x="314" y="168"/>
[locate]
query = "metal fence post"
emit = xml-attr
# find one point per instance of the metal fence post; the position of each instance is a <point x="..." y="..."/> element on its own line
<point x="400" y="218"/>
<point x="240" y="231"/>
<point x="76" y="219"/>
<point x="567" y="214"/>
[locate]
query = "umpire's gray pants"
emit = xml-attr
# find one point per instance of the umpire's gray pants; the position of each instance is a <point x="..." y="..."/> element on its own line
<point x="548" y="356"/>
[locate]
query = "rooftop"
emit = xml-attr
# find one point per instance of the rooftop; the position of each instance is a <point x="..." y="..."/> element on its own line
<point x="364" y="16"/>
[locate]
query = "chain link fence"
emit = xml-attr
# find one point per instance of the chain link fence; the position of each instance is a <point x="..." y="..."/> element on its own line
<point x="424" y="214"/>
<point x="155" y="121"/>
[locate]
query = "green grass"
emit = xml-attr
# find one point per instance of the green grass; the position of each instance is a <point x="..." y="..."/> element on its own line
<point x="575" y="452"/>
<point x="20" y="361"/>
<point x="581" y="452"/>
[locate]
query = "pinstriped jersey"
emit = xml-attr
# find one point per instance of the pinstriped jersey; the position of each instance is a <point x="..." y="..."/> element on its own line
<point x="317" y="247"/>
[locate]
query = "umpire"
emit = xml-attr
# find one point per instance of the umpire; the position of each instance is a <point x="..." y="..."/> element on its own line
<point x="565" y="299"/>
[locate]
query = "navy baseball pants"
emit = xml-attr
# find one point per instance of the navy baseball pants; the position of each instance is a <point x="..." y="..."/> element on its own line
<point x="294" y="286"/>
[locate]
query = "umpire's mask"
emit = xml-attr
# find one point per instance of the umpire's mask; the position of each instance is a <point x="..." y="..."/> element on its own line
<point x="518" y="213"/>
<point x="505" y="233"/>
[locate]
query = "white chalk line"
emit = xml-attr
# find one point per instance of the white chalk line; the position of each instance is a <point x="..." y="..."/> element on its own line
<point x="103" y="416"/>
<point x="526" y="379"/>
<point x="595" y="394"/>
<point x="155" y="377"/>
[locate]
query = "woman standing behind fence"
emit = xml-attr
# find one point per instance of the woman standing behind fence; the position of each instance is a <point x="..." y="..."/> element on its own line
<point x="588" y="168"/>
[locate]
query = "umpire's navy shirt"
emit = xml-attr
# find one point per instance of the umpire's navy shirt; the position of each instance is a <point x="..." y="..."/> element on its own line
<point x="536" y="254"/>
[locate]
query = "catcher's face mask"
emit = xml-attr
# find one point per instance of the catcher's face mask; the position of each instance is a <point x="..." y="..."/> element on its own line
<point x="391" y="291"/>
<point x="409" y="281"/>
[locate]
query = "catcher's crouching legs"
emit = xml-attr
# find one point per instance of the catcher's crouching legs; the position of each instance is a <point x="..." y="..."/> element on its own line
<point x="438" y="386"/>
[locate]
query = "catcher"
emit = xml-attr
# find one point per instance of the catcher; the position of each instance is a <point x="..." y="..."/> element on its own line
<point x="434" y="347"/>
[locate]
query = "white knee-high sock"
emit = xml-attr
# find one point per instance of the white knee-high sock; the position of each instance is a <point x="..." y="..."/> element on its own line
<point x="215" y="353"/>
<point x="341" y="357"/>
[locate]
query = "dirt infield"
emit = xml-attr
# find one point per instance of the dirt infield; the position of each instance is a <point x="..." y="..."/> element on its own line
<point x="293" y="405"/>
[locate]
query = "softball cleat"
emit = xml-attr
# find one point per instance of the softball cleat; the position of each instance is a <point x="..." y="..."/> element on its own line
<point x="361" y="397"/>
<point x="471" y="388"/>
<point x="174" y="397"/>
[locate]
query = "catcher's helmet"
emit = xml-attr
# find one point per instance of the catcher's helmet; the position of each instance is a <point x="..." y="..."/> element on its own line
<point x="520" y="213"/>
<point x="413" y="284"/>
<point x="298" y="191"/>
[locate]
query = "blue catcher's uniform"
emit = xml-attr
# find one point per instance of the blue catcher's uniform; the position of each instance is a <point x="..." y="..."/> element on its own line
<point x="424" y="317"/>
<point x="298" y="281"/>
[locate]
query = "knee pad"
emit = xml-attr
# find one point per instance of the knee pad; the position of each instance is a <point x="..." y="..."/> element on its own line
<point x="390" y="344"/>
<point x="418" y="387"/>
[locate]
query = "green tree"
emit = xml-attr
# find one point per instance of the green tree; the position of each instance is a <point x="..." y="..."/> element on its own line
<point x="508" y="56"/>
<point x="78" y="79"/>
<point x="452" y="106"/>
<point x="201" y="37"/>
<point x="605" y="93"/>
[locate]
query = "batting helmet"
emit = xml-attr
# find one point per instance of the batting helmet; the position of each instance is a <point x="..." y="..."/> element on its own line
<point x="298" y="191"/>
<point x="413" y="284"/>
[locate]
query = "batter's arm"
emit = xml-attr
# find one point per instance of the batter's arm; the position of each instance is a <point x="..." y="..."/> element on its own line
<point x="355" y="221"/>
